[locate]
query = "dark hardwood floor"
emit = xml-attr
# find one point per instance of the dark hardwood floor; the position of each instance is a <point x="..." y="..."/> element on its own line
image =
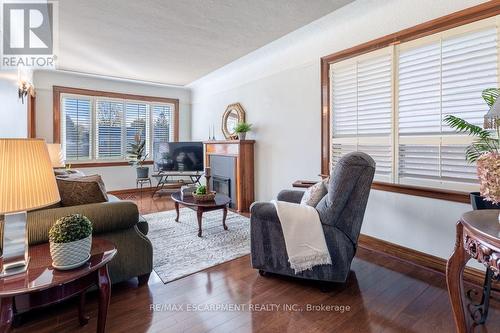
<point x="382" y="295"/>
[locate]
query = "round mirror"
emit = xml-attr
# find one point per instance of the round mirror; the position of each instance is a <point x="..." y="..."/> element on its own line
<point x="233" y="115"/>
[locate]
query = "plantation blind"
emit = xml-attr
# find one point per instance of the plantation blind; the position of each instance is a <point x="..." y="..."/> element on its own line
<point x="76" y="127"/>
<point x="136" y="123"/>
<point x="442" y="76"/>
<point x="391" y="103"/>
<point x="162" y="115"/>
<point x="109" y="129"/>
<point x="361" y="105"/>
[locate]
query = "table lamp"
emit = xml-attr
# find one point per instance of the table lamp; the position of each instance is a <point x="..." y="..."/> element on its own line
<point x="27" y="182"/>
<point x="56" y="155"/>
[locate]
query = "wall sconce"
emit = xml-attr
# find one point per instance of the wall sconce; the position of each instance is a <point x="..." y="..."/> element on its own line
<point x="24" y="84"/>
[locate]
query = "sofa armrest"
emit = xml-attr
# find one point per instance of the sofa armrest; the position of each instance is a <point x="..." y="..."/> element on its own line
<point x="292" y="196"/>
<point x="105" y="217"/>
<point x="263" y="211"/>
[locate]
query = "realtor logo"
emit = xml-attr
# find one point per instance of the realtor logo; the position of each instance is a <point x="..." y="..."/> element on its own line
<point x="28" y="35"/>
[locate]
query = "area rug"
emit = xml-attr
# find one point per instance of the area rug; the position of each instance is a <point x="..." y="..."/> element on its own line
<point x="178" y="251"/>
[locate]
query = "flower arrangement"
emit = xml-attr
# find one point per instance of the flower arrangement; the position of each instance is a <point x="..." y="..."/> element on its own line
<point x="488" y="171"/>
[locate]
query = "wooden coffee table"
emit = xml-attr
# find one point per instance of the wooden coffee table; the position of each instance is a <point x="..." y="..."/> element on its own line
<point x="220" y="202"/>
<point x="42" y="285"/>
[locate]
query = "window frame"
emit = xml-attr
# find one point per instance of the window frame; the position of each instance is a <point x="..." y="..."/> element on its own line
<point x="439" y="25"/>
<point x="59" y="91"/>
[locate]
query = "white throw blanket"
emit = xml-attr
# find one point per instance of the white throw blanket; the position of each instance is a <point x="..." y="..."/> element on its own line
<point x="304" y="238"/>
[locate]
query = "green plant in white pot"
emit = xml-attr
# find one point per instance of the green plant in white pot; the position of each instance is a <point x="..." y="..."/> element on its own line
<point x="70" y="241"/>
<point x="137" y="156"/>
<point x="241" y="129"/>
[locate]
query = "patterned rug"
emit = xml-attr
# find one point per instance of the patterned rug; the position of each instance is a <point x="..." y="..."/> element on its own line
<point x="178" y="251"/>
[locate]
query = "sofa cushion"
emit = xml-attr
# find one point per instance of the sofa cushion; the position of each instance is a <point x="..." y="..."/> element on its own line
<point x="81" y="191"/>
<point x="314" y="194"/>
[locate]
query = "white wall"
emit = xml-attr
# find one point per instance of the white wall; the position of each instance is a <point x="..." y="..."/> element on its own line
<point x="13" y="114"/>
<point x="115" y="178"/>
<point x="279" y="86"/>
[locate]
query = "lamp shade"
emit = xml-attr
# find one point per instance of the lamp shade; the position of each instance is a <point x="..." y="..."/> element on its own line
<point x="27" y="179"/>
<point x="56" y="156"/>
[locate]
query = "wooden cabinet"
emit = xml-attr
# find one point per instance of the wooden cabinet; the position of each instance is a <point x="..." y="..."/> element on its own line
<point x="243" y="153"/>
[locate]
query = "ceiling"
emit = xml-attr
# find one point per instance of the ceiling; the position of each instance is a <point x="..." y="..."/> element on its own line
<point x="174" y="41"/>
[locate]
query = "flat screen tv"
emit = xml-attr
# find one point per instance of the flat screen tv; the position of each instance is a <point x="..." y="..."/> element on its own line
<point x="179" y="156"/>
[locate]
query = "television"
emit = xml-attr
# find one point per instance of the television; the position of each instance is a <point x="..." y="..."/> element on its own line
<point x="179" y="156"/>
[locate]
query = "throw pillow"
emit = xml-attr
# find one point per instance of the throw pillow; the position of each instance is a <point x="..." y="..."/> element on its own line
<point x="82" y="190"/>
<point x="314" y="194"/>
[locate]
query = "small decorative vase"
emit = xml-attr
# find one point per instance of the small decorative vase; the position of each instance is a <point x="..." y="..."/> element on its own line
<point x="70" y="255"/>
<point x="488" y="171"/>
<point x="142" y="172"/>
<point x="242" y="135"/>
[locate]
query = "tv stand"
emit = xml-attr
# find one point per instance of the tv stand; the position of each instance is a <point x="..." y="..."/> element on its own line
<point x="166" y="181"/>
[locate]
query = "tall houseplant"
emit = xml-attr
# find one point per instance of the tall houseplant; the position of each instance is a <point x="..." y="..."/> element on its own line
<point x="137" y="155"/>
<point x="484" y="151"/>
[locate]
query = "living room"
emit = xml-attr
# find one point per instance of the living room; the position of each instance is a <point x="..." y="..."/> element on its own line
<point x="184" y="145"/>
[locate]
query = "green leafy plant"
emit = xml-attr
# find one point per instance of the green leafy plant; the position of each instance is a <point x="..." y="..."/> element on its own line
<point x="486" y="141"/>
<point x="201" y="189"/>
<point x="70" y="228"/>
<point x="242" y="127"/>
<point x="137" y="153"/>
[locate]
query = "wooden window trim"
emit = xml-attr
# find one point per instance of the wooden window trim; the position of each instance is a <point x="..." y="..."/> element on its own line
<point x="466" y="16"/>
<point x="80" y="165"/>
<point x="32" y="114"/>
<point x="56" y="134"/>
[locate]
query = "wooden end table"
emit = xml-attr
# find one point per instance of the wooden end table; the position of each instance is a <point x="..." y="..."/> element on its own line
<point x="42" y="285"/>
<point x="220" y="202"/>
<point x="477" y="237"/>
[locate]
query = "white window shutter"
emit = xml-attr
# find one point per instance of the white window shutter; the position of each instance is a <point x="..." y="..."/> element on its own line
<point x="109" y="129"/>
<point x="374" y="100"/>
<point x="162" y="115"/>
<point x="361" y="105"/>
<point x="344" y="101"/>
<point x="137" y="123"/>
<point x="76" y="128"/>
<point x="469" y="65"/>
<point x="419" y="90"/>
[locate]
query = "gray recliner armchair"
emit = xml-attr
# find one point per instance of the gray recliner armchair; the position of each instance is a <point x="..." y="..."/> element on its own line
<point x="341" y="213"/>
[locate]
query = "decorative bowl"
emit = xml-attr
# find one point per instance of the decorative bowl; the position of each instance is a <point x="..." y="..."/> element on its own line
<point x="204" y="197"/>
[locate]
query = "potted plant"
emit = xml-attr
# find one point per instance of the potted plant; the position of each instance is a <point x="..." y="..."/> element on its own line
<point x="484" y="151"/>
<point x="241" y="129"/>
<point x="70" y="241"/>
<point x="202" y="194"/>
<point x="137" y="155"/>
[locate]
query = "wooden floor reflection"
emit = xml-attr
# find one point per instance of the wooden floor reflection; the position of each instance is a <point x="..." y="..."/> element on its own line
<point x="384" y="295"/>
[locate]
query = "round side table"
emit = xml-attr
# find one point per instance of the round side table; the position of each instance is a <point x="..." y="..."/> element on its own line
<point x="44" y="285"/>
<point x="477" y="237"/>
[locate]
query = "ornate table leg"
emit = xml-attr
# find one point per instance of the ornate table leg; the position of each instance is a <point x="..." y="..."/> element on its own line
<point x="224" y="215"/>
<point x="104" y="296"/>
<point x="177" y="211"/>
<point x="454" y="273"/>
<point x="199" y="215"/>
<point x="6" y="314"/>
<point x="479" y="311"/>
<point x="82" y="317"/>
